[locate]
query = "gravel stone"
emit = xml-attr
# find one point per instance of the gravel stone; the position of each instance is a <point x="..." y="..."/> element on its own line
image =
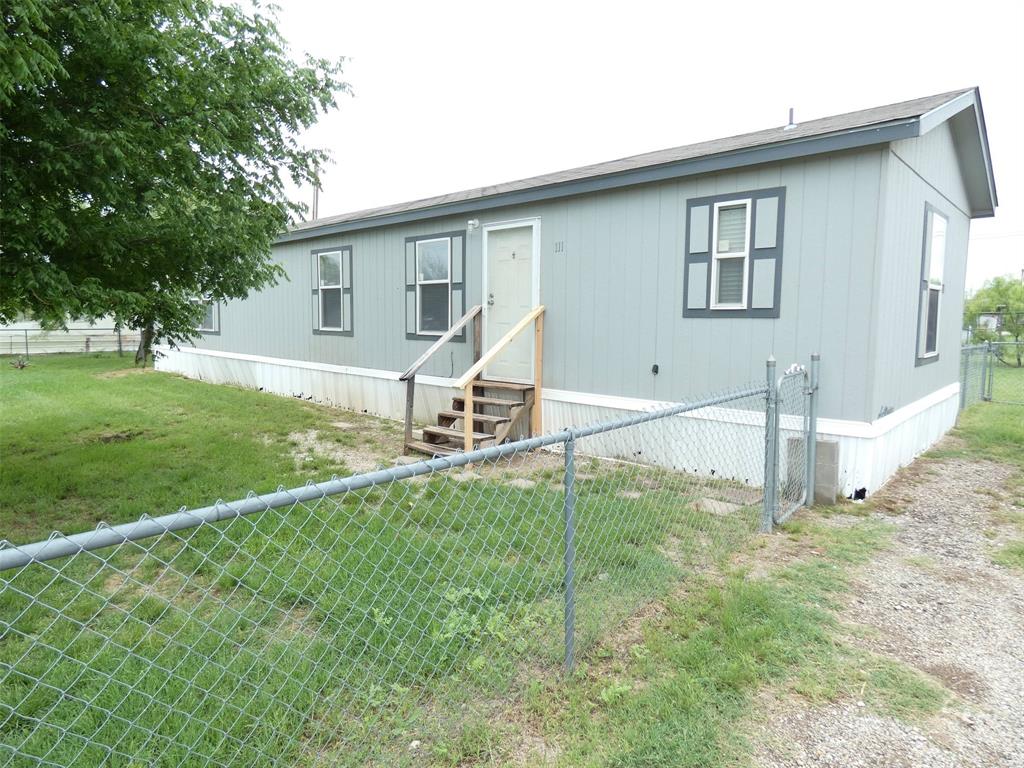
<point x="937" y="603"/>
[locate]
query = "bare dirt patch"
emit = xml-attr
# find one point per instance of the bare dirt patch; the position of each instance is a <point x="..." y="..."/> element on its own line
<point x="936" y="602"/>
<point x="311" y="443"/>
<point x="120" y="373"/>
<point x="112" y="436"/>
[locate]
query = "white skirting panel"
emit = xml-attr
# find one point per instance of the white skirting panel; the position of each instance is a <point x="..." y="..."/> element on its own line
<point x="378" y="393"/>
<point x="723" y="441"/>
<point x="869" y="459"/>
<point x="869" y="452"/>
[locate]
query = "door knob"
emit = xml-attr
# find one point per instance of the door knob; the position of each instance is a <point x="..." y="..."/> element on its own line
<point x="490" y="299"/>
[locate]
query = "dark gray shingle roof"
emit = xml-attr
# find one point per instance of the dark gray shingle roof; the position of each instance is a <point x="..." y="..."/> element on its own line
<point x="876" y="116"/>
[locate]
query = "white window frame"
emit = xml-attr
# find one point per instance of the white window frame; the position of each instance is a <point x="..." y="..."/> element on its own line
<point x="716" y="257"/>
<point x="215" y="315"/>
<point x="339" y="287"/>
<point x="419" y="299"/>
<point x="931" y="284"/>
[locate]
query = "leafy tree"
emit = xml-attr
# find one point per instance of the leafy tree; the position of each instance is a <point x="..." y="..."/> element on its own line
<point x="1003" y="296"/>
<point x="145" y="148"/>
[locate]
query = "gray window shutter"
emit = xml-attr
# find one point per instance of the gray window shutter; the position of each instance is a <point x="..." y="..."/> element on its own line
<point x="315" y="280"/>
<point x="346" y="289"/>
<point x="700" y="216"/>
<point x="763" y="284"/>
<point x="697" y="266"/>
<point x="458" y="280"/>
<point x="697" y="286"/>
<point x="766" y="222"/>
<point x="346" y="268"/>
<point x="410" y="287"/>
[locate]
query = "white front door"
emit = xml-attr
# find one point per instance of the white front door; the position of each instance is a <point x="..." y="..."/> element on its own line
<point x="508" y="296"/>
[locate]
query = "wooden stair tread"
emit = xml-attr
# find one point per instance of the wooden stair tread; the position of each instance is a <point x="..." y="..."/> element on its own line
<point x="490" y="384"/>
<point x="431" y="449"/>
<point x="456" y="434"/>
<point x="495" y="401"/>
<point x="482" y="417"/>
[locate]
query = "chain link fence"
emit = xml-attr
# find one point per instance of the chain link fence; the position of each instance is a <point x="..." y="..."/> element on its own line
<point x="992" y="372"/>
<point x="377" y="619"/>
<point x="1006" y="372"/>
<point x="973" y="373"/>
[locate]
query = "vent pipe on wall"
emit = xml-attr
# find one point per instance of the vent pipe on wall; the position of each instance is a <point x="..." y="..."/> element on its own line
<point x="790" y="125"/>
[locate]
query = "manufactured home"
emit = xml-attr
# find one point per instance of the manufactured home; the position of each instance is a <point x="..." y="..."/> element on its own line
<point x="650" y="279"/>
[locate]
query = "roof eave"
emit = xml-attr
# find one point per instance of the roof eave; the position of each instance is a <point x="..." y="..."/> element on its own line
<point x="770" y="153"/>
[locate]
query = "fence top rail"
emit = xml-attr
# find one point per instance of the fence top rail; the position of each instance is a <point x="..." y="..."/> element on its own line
<point x="59" y="545"/>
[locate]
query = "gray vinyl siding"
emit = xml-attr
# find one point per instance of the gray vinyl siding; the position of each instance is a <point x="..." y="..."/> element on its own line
<point x="917" y="172"/>
<point x="614" y="290"/>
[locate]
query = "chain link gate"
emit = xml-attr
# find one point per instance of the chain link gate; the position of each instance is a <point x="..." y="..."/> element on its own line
<point x="790" y="455"/>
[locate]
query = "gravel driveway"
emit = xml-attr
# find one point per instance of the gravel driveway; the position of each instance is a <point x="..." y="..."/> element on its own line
<point x="935" y="601"/>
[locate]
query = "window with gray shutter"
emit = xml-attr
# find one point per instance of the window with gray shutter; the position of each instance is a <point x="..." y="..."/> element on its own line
<point x="733" y="254"/>
<point x="332" y="290"/>
<point x="434" y="284"/>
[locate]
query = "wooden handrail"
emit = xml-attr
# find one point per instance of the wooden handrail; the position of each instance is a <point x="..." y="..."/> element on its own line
<point x="409" y="377"/>
<point x="503" y="342"/>
<point x="442" y="340"/>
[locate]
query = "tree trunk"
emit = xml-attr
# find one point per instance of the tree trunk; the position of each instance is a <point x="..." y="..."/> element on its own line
<point x="145" y="345"/>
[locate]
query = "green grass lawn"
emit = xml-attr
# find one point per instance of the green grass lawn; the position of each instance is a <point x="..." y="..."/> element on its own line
<point x="85" y="439"/>
<point x="339" y="631"/>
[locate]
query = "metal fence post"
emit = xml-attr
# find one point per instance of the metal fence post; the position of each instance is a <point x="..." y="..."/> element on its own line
<point x="964" y="355"/>
<point x="812" y="429"/>
<point x="26" y="343"/>
<point x="569" y="512"/>
<point x="986" y="372"/>
<point x="771" y="444"/>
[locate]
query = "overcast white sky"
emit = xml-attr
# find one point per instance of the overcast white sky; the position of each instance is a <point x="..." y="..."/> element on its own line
<point x="453" y="95"/>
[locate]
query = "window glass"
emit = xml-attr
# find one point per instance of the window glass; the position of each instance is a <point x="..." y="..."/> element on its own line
<point x="330" y="308"/>
<point x="330" y="269"/>
<point x="432" y="260"/>
<point x="732" y="229"/>
<point x="730" y="281"/>
<point x="434" y="310"/>
<point x="937" y="262"/>
<point x="932" y="329"/>
<point x="208" y="316"/>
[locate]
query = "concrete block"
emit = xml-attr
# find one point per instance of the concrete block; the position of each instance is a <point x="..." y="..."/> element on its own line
<point x="826" y="472"/>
